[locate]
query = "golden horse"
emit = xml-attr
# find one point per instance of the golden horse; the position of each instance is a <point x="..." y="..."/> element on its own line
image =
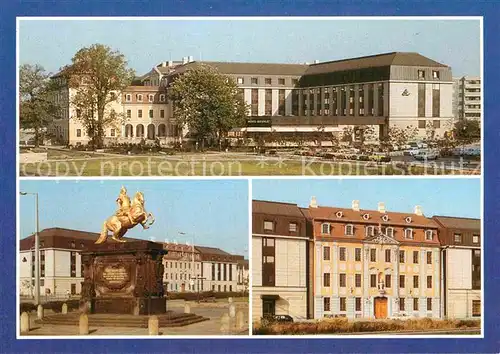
<point x="120" y="224"/>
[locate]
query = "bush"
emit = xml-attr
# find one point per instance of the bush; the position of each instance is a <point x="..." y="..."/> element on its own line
<point x="27" y="307"/>
<point x="193" y="296"/>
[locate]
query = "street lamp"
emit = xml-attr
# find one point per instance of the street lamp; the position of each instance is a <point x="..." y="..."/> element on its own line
<point x="37" y="249"/>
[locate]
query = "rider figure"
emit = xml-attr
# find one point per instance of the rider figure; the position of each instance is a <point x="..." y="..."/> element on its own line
<point x="123" y="201"/>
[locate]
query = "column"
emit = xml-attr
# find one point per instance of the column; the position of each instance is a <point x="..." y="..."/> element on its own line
<point x="247" y="93"/>
<point x="375" y="99"/>
<point x="288" y="102"/>
<point x="356" y="100"/>
<point x="275" y="103"/>
<point x="335" y="271"/>
<point x="366" y="281"/>
<point x="422" y="303"/>
<point x="395" y="279"/>
<point x="386" y="99"/>
<point x="365" y="99"/>
<point x="339" y="100"/>
<point x="262" y="102"/>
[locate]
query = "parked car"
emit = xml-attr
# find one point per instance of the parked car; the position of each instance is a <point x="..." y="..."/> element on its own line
<point x="278" y="318"/>
<point x="378" y="157"/>
<point x="426" y="155"/>
<point x="414" y="150"/>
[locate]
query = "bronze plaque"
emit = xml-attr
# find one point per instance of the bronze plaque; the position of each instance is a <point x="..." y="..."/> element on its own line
<point x="115" y="275"/>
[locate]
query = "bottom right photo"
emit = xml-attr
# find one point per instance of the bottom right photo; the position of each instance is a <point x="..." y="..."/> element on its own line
<point x="367" y="256"/>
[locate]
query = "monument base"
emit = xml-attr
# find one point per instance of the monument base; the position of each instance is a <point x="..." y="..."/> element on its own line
<point x="135" y="306"/>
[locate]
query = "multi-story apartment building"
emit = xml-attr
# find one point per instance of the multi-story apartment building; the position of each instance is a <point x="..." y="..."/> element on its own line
<point x="182" y="268"/>
<point x="61" y="267"/>
<point x="280" y="259"/>
<point x="461" y="273"/>
<point x="391" y="89"/>
<point x="374" y="263"/>
<point x="467" y="97"/>
<point x="218" y="269"/>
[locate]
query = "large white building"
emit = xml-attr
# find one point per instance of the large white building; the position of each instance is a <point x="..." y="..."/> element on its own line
<point x="380" y="91"/>
<point x="467" y="97"/>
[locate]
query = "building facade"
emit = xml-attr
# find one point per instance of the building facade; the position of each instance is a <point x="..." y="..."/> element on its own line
<point x="279" y="260"/>
<point x="218" y="270"/>
<point x="182" y="268"/>
<point x="467" y="97"/>
<point x="379" y="91"/>
<point x="461" y="272"/>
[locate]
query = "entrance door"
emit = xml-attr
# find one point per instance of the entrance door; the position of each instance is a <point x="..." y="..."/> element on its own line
<point x="183" y="287"/>
<point x="268" y="307"/>
<point x="380" y="307"/>
<point x="73" y="289"/>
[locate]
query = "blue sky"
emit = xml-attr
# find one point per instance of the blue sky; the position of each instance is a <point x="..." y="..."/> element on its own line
<point x="147" y="43"/>
<point x="216" y="212"/>
<point x="450" y="197"/>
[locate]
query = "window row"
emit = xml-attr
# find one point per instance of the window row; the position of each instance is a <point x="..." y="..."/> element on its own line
<point x="267" y="81"/>
<point x="139" y="113"/>
<point x="402" y="305"/>
<point x="270" y="226"/>
<point x="79" y="132"/>
<point x="326" y="229"/>
<point x="375" y="281"/>
<point x="139" y="97"/>
<point x="373" y="255"/>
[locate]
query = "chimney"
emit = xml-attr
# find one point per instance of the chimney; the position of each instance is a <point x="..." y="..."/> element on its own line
<point x="170" y="63"/>
<point x="355" y="205"/>
<point x="313" y="203"/>
<point x="418" y="210"/>
<point x="184" y="60"/>
<point x="316" y="61"/>
<point x="381" y="207"/>
<point x="190" y="59"/>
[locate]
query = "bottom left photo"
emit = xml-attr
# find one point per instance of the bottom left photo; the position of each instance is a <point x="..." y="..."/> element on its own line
<point x="133" y="258"/>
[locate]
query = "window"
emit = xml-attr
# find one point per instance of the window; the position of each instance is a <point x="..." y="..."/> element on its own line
<point x="281" y="102"/>
<point x="401" y="256"/>
<point x="129" y="113"/>
<point x="162" y="98"/>
<point x="429" y="304"/>
<point x="343" y="304"/>
<point x="281" y="81"/>
<point x="421" y="74"/>
<point x="268" y="242"/>
<point x="402" y="281"/>
<point x="78" y="133"/>
<point x="370" y="230"/>
<point x="475" y="238"/>
<point x="325" y="229"/>
<point x="342" y="251"/>
<point x="267" y="81"/>
<point x="429" y="257"/>
<point x="150" y="113"/>
<point x="415" y="257"/>
<point x="357" y="254"/>
<point x="139" y="98"/>
<point x="436" y="124"/>
<point x="326" y="304"/>
<point x="373" y="280"/>
<point x="373" y="255"/>
<point x="429" y="282"/>
<point x="401" y="304"/>
<point x="268" y="106"/>
<point x="292" y="227"/>
<point x="388" y="256"/>
<point x="421" y="102"/>
<point x="342" y="280"/>
<point x="357" y="280"/>
<point x="389" y="232"/>
<point x="409" y="234"/>
<point x="268" y="225"/>
<point x="388" y="283"/>
<point x="357" y="304"/>
<point x="112" y="132"/>
<point x="162" y="113"/>
<point x="139" y="113"/>
<point x="428" y="235"/>
<point x="326" y="280"/>
<point x="421" y="124"/>
<point x="128" y="98"/>
<point x="435" y="74"/>
<point x="415" y="304"/>
<point x="239" y="80"/>
<point x="295" y="82"/>
<point x="457" y="238"/>
<point x="349" y="230"/>
<point x="151" y="98"/>
<point x="326" y="253"/>
<point x="415" y="281"/>
<point x="254" y="80"/>
<point x="476" y="308"/>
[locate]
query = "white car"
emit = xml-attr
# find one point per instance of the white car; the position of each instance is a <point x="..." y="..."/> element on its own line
<point x="414" y="151"/>
<point x="426" y="155"/>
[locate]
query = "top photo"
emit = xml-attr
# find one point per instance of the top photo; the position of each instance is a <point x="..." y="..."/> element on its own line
<point x="340" y="96"/>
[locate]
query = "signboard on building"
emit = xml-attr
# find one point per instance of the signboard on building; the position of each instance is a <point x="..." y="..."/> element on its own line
<point x="261" y="122"/>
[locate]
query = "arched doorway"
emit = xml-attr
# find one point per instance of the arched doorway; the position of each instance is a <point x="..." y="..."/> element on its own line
<point x="129" y="131"/>
<point x="380" y="307"/>
<point x="162" y="130"/>
<point x="139" y="131"/>
<point x="151" y="131"/>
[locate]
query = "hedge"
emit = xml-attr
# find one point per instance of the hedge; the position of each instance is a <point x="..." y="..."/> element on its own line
<point x="193" y="296"/>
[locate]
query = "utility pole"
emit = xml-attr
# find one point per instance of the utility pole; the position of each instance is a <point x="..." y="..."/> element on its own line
<point x="37" y="249"/>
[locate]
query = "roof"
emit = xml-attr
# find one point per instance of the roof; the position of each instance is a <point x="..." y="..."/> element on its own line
<point x="458" y="223"/>
<point x="248" y="68"/>
<point x="350" y="215"/>
<point x="276" y="208"/>
<point x="141" y="88"/>
<point x="211" y="250"/>
<point x="180" y="247"/>
<point x="373" y="61"/>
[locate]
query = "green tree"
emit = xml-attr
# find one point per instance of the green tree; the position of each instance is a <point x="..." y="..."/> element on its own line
<point x="37" y="108"/>
<point x="467" y="131"/>
<point x="99" y="75"/>
<point x="208" y="102"/>
<point x="399" y="136"/>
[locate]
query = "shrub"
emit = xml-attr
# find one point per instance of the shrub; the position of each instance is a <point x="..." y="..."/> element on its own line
<point x="27" y="307"/>
<point x="193" y="296"/>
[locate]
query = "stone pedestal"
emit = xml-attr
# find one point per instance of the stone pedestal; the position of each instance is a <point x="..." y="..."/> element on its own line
<point x="124" y="278"/>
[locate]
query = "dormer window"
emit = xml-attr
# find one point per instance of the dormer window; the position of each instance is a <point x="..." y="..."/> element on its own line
<point x="389" y="232"/>
<point x="325" y="229"/>
<point x="421" y="74"/>
<point x="408" y="219"/>
<point x="429" y="235"/>
<point x="128" y="98"/>
<point x="385" y="217"/>
<point x="162" y="98"/>
<point x="435" y="74"/>
<point x="409" y="234"/>
<point x="370" y="231"/>
<point x="339" y="214"/>
<point x="366" y="216"/>
<point x="349" y="230"/>
<point x="292" y="227"/>
<point x="268" y="225"/>
<point x="139" y="98"/>
<point x="151" y="98"/>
